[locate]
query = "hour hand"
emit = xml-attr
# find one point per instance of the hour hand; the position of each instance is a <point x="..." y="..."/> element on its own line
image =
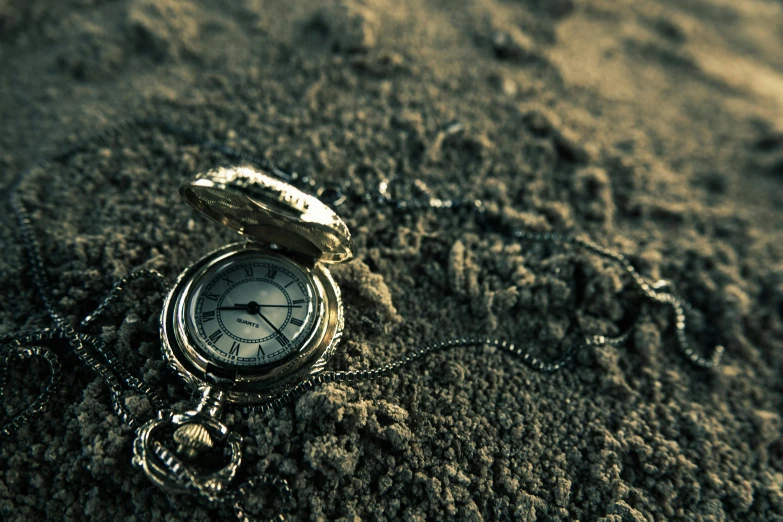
<point x="269" y="323"/>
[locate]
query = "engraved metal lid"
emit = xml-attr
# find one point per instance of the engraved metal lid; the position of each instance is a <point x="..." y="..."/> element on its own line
<point x="267" y="209"/>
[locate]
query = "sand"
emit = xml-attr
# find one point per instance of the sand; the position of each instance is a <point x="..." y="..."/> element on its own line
<point x="652" y="127"/>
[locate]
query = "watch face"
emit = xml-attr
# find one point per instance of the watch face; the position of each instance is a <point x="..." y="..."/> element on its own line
<point x="251" y="309"/>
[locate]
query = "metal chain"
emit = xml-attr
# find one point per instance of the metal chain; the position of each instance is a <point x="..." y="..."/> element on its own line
<point x="26" y="345"/>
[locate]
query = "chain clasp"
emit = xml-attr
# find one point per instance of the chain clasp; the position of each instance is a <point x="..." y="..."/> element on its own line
<point x="194" y="432"/>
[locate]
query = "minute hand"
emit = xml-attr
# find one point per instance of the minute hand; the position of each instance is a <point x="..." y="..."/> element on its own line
<point x="244" y="307"/>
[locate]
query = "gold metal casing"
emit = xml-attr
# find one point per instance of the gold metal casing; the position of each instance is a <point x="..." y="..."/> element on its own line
<point x="269" y="210"/>
<point x="255" y="383"/>
<point x="281" y="221"/>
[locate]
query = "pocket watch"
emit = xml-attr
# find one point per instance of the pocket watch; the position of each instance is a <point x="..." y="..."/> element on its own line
<point x="254" y="323"/>
<point x="250" y="319"/>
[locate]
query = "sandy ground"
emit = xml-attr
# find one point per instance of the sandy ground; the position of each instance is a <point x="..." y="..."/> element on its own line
<point x="653" y="127"/>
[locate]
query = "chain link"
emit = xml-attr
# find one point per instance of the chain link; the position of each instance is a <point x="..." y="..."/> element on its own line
<point x="102" y="360"/>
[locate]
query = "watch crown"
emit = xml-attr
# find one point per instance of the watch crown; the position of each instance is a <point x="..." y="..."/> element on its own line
<point x="192" y="438"/>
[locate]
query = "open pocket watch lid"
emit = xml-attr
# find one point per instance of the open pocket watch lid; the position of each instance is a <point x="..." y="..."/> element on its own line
<point x="269" y="210"/>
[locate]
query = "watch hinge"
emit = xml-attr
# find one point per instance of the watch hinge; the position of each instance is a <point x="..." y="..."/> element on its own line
<point x="306" y="260"/>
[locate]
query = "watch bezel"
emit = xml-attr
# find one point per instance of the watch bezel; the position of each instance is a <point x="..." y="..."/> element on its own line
<point x="249" y="384"/>
<point x="185" y="326"/>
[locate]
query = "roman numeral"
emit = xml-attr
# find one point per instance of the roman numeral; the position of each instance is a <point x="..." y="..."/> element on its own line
<point x="249" y="271"/>
<point x="282" y="339"/>
<point x="207" y="316"/>
<point x="225" y="278"/>
<point x="216" y="335"/>
<point x="260" y="353"/>
<point x="297" y="322"/>
<point x="271" y="273"/>
<point x="234" y="348"/>
<point x="210" y="295"/>
<point x="298" y="301"/>
<point x="289" y="284"/>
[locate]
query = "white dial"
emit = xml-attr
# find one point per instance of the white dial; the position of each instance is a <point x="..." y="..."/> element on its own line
<point x="252" y="309"/>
